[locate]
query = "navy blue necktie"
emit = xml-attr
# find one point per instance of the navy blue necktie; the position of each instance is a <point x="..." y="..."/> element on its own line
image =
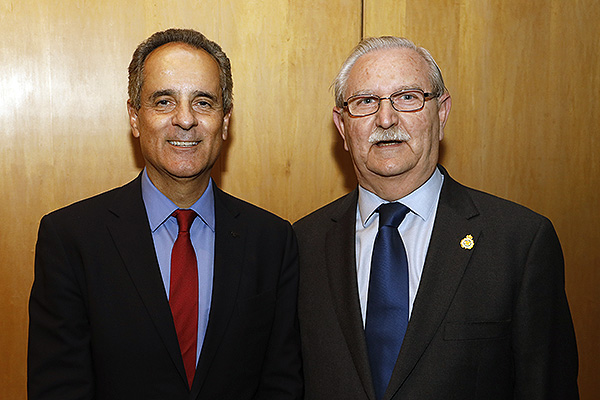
<point x="387" y="305"/>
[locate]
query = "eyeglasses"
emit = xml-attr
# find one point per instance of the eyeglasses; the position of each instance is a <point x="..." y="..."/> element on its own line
<point x="362" y="105"/>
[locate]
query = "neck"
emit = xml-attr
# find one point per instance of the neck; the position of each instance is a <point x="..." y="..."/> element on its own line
<point x="184" y="192"/>
<point x="392" y="188"/>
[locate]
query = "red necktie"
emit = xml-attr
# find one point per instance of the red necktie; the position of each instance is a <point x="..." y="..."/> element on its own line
<point x="183" y="292"/>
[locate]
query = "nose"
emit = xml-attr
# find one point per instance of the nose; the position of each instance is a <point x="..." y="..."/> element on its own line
<point x="185" y="117"/>
<point x="386" y="116"/>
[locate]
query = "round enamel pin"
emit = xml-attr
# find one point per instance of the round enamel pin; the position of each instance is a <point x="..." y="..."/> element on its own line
<point x="467" y="242"/>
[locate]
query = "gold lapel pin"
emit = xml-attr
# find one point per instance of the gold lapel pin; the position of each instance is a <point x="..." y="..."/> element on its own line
<point x="467" y="243"/>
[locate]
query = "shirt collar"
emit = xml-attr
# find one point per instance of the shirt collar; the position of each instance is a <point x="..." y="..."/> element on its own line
<point x="422" y="201"/>
<point x="159" y="207"/>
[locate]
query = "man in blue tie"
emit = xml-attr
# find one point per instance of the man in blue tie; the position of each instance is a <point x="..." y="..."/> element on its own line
<point x="413" y="286"/>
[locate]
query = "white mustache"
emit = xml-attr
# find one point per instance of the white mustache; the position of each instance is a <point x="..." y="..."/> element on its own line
<point x="393" y="134"/>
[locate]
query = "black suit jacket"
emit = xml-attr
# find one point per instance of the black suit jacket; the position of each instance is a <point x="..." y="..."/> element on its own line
<point x="101" y="326"/>
<point x="491" y="322"/>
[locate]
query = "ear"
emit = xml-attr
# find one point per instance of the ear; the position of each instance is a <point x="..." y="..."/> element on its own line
<point x="338" y="120"/>
<point x="445" y="104"/>
<point x="133" y="119"/>
<point x="225" y="130"/>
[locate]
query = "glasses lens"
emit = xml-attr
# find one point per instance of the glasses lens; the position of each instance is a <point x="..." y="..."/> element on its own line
<point x="409" y="100"/>
<point x="363" y="105"/>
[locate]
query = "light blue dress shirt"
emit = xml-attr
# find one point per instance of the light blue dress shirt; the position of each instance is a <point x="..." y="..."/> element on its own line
<point x="202" y="232"/>
<point x="415" y="231"/>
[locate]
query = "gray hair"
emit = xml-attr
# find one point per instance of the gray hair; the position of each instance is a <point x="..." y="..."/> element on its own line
<point x="368" y="45"/>
<point x="186" y="36"/>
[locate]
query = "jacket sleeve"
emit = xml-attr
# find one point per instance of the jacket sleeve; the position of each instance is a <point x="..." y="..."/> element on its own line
<point x="282" y="370"/>
<point x="544" y="344"/>
<point x="59" y="357"/>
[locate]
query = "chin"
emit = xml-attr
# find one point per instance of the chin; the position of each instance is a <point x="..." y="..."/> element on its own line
<point x="389" y="169"/>
<point x="184" y="173"/>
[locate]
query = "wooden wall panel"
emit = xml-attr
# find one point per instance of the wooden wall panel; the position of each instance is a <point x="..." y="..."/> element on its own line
<point x="283" y="142"/>
<point x="524" y="124"/>
<point x="522" y="75"/>
<point x="64" y="127"/>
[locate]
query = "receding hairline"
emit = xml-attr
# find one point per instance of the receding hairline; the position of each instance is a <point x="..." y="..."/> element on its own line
<point x="376" y="56"/>
<point x="188" y="48"/>
<point x="190" y="37"/>
<point x="185" y="46"/>
<point x="374" y="45"/>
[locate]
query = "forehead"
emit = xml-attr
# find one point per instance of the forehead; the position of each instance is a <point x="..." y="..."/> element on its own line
<point x="179" y="64"/>
<point x="388" y="70"/>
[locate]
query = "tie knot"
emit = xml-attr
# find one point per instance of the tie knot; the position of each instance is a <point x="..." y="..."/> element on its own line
<point x="392" y="214"/>
<point x="185" y="218"/>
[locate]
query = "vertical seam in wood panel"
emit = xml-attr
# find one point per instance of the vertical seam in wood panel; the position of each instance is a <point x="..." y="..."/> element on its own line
<point x="362" y="19"/>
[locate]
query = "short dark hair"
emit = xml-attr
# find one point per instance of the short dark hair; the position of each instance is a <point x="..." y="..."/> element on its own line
<point x="186" y="36"/>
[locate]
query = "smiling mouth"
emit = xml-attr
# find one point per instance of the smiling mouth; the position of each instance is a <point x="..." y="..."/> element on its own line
<point x="180" y="143"/>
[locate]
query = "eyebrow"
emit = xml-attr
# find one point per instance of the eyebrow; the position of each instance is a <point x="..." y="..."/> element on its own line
<point x="173" y="93"/>
<point x="400" y="89"/>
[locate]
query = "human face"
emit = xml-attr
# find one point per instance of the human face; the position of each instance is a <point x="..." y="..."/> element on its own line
<point x="180" y="123"/>
<point x="405" y="164"/>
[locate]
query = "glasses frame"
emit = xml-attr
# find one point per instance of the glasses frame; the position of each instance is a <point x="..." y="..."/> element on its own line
<point x="426" y="96"/>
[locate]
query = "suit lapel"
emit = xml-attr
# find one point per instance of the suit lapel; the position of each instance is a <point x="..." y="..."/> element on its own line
<point x="230" y="239"/>
<point x="343" y="284"/>
<point x="444" y="267"/>
<point x="130" y="231"/>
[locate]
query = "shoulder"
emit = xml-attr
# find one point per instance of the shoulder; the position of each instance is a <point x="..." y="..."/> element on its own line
<point x="246" y="211"/>
<point x="338" y="216"/>
<point x="99" y="204"/>
<point x="334" y="211"/>
<point x="499" y="207"/>
<point x="488" y="209"/>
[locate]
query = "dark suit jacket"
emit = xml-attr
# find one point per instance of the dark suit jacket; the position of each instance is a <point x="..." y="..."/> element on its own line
<point x="101" y="326"/>
<point x="488" y="323"/>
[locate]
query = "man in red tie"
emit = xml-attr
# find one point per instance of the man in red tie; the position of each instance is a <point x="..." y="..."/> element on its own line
<point x="167" y="288"/>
